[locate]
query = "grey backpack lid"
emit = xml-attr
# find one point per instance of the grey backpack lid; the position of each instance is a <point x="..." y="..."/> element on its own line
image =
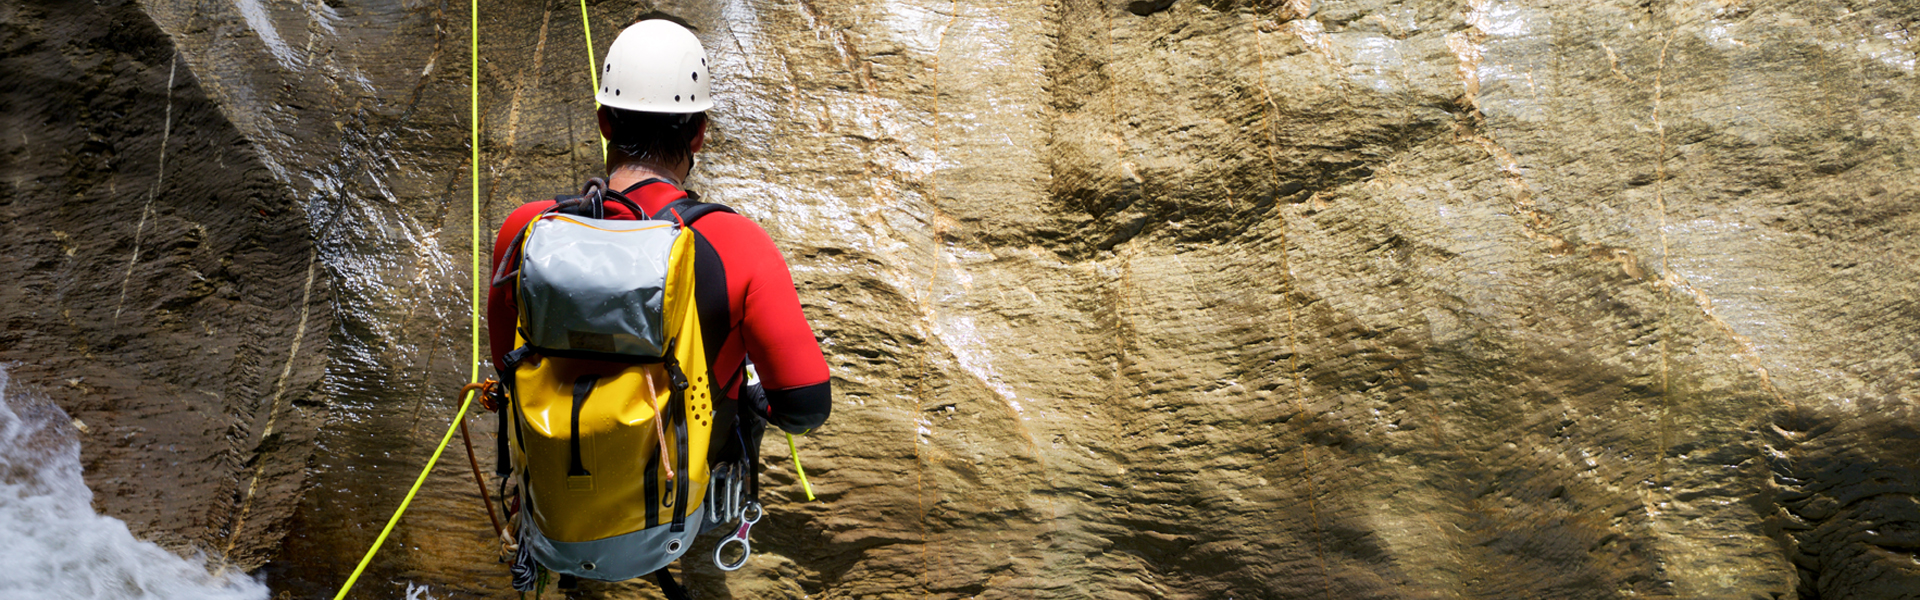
<point x="596" y="286"/>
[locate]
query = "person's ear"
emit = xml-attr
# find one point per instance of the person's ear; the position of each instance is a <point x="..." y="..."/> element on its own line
<point x="606" y="124"/>
<point x="699" y="139"/>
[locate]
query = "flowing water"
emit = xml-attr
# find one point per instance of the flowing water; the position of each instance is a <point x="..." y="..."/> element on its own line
<point x="57" y="546"/>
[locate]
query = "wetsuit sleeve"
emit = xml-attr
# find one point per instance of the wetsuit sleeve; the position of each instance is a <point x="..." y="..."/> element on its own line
<point x="781" y="344"/>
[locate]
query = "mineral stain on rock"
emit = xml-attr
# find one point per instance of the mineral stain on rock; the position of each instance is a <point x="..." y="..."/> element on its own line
<point x="1355" y="299"/>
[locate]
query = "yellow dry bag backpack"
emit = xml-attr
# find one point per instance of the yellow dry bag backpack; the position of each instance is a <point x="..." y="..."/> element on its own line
<point x="610" y="395"/>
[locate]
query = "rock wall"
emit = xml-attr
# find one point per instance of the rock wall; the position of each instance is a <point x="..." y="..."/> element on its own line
<point x="160" y="283"/>
<point x="1182" y="299"/>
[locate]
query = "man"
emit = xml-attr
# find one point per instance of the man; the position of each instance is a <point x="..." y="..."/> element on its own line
<point x="653" y="96"/>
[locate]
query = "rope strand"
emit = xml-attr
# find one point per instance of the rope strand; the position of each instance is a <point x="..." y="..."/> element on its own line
<point x="797" y="469"/>
<point x="473" y="142"/>
<point x="593" y="71"/>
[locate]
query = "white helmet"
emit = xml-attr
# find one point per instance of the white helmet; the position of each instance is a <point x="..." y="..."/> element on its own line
<point x="655" y="66"/>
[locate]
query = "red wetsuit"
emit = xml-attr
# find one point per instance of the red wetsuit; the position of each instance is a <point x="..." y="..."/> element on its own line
<point x="763" y="318"/>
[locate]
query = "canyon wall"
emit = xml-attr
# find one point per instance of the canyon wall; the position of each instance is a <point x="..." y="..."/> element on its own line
<point x="1160" y="299"/>
<point x="161" y="285"/>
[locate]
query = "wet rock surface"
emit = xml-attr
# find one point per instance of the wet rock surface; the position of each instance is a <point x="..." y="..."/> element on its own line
<point x="1186" y="299"/>
<point x="160" y="285"/>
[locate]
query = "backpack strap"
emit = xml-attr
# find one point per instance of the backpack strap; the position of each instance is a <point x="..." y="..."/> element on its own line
<point x="689" y="209"/>
<point x="684" y="211"/>
<point x="668" y="587"/>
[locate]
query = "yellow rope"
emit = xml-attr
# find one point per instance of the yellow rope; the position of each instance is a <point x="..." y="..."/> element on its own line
<point x="593" y="71"/>
<point x="795" y="450"/>
<point x="473" y="114"/>
<point x="409" y="500"/>
<point x="473" y="213"/>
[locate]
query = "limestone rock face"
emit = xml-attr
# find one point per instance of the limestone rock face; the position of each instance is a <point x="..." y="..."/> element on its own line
<point x="1188" y="299"/>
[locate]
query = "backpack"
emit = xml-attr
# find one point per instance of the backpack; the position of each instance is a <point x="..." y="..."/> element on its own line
<point x="610" y="401"/>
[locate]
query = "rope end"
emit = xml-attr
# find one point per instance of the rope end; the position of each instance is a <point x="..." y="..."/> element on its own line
<point x="797" y="469"/>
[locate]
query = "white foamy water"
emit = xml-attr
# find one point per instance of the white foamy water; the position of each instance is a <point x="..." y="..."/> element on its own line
<point x="53" y="546"/>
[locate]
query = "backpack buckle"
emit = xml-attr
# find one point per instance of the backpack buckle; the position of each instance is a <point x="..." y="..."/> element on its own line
<point x="674" y="375"/>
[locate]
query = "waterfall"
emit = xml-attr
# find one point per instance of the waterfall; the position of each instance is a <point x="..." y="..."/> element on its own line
<point x="56" y="546"/>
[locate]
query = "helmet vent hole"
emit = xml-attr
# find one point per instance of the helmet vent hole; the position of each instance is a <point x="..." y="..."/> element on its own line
<point x="616" y="92"/>
<point x="696" y="75"/>
<point x="676" y="97"/>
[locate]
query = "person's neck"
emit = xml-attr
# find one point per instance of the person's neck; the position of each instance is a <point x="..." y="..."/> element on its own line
<point x="631" y="173"/>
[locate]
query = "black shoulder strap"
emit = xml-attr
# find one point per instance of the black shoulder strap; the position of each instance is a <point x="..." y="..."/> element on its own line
<point x="668" y="587"/>
<point x="689" y="209"/>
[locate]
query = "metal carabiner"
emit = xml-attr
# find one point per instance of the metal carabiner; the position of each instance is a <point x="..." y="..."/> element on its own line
<point x="714" y="505"/>
<point x="740" y="536"/>
<point x="736" y="494"/>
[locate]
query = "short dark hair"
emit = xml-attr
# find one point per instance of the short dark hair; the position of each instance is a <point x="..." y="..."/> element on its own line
<point x="665" y="138"/>
<point x="654" y="14"/>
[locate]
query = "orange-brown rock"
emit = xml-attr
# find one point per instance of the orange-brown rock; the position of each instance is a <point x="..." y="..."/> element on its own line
<point x="1189" y="299"/>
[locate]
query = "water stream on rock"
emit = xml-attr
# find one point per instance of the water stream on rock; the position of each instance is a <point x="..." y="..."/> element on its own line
<point x="57" y="547"/>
